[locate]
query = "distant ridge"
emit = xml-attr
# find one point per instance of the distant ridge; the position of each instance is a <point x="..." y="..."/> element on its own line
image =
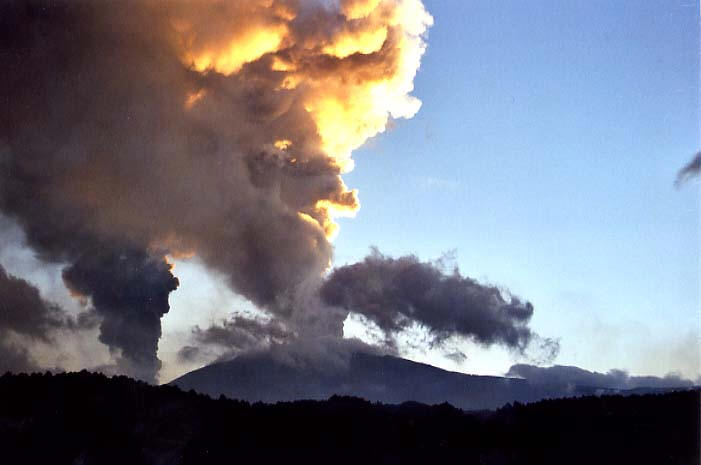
<point x="377" y="378"/>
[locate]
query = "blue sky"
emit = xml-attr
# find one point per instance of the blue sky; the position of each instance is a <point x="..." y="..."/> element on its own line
<point x="545" y="154"/>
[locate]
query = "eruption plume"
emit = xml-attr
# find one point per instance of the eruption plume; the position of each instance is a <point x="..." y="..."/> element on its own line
<point x="129" y="291"/>
<point x="395" y="293"/>
<point x="132" y="130"/>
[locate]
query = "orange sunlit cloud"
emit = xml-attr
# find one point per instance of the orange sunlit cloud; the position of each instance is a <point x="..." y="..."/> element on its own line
<point x="351" y="76"/>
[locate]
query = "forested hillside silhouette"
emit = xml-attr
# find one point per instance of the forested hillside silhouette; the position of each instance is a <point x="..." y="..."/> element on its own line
<point x="87" y="418"/>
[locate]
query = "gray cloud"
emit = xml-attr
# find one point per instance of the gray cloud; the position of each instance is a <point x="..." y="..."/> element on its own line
<point x="559" y="375"/>
<point x="394" y="293"/>
<point x="241" y="333"/>
<point x="129" y="291"/>
<point x="15" y="358"/>
<point x="234" y="336"/>
<point x="689" y="171"/>
<point x="26" y="317"/>
<point x="458" y="356"/>
<point x="325" y="354"/>
<point x="23" y="311"/>
<point x="543" y="350"/>
<point x="189" y="353"/>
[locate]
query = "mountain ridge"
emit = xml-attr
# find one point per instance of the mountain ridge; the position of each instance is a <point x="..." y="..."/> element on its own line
<point x="378" y="378"/>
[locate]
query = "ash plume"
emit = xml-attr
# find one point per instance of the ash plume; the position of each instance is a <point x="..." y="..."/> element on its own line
<point x="129" y="292"/>
<point x="689" y="171"/>
<point x="560" y="375"/>
<point x="395" y="293"/>
<point x="137" y="129"/>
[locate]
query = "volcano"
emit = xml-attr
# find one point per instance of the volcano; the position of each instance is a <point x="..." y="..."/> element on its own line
<point x="378" y="378"/>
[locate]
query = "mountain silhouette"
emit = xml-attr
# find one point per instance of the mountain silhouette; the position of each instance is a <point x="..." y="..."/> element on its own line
<point x="378" y="378"/>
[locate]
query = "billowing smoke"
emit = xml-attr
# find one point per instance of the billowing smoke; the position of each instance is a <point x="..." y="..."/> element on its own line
<point x="26" y="318"/>
<point x="132" y="130"/>
<point x="559" y="375"/>
<point x="129" y="291"/>
<point x="689" y="171"/>
<point x="236" y="335"/>
<point x="396" y="293"/>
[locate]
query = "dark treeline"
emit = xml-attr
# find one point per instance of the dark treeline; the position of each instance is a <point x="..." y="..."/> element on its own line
<point x="86" y="418"/>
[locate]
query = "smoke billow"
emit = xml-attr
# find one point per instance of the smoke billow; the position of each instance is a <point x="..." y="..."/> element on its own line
<point x="132" y="130"/>
<point x="236" y="335"/>
<point x="129" y="291"/>
<point x="559" y="375"/>
<point x="395" y="293"/>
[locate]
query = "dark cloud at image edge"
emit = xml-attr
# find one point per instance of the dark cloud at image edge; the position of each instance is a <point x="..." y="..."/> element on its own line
<point x="690" y="171"/>
<point x="26" y="318"/>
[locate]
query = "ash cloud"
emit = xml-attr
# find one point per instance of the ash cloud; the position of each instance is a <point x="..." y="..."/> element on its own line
<point x="189" y="353"/>
<point x="236" y="335"/>
<point x="395" y="293"/>
<point x="559" y="375"/>
<point x="135" y="130"/>
<point x="458" y="356"/>
<point x="248" y="338"/>
<point x="26" y="318"/>
<point x="131" y="130"/>
<point x="690" y="171"/>
<point x="129" y="291"/>
<point x="325" y="354"/>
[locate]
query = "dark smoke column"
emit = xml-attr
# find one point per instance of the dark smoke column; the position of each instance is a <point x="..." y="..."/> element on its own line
<point x="129" y="290"/>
